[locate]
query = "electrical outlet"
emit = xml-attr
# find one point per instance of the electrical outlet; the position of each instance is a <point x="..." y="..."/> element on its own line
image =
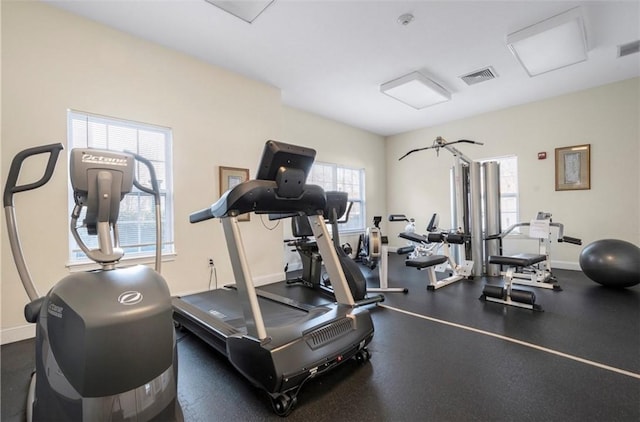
<point x="211" y="262"/>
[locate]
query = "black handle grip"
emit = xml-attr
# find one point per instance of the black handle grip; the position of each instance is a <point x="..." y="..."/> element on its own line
<point x="572" y="240"/>
<point x="14" y="171"/>
<point x="201" y="215"/>
<point x="398" y="217"/>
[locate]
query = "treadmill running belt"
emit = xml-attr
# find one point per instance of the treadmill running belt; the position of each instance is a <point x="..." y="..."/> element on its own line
<point x="225" y="305"/>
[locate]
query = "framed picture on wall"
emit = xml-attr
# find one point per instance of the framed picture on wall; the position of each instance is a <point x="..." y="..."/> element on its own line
<point x="573" y="167"/>
<point x="231" y="177"/>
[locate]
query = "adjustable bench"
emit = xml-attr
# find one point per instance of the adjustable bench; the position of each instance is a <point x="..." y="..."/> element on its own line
<point x="426" y="261"/>
<point x="527" y="269"/>
<point x="525" y="261"/>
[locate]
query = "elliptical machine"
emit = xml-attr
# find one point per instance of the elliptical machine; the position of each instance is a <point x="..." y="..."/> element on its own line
<point x="105" y="342"/>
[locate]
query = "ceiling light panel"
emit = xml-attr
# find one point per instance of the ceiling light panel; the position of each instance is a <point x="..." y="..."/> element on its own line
<point x="247" y="10"/>
<point x="416" y="90"/>
<point x="554" y="43"/>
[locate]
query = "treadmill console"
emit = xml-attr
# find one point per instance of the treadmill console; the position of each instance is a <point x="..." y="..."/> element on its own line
<point x="277" y="155"/>
<point x="287" y="165"/>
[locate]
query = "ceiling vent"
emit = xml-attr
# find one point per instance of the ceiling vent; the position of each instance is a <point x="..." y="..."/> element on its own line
<point x="478" y="76"/>
<point x="628" y="48"/>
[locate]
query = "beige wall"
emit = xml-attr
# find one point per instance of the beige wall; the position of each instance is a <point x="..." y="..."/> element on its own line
<point x="606" y="117"/>
<point x="53" y="61"/>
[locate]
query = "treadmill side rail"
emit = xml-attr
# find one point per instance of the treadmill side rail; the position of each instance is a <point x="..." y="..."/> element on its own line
<point x="244" y="280"/>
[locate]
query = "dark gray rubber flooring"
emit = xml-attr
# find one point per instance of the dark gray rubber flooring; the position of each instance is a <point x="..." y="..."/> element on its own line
<point x="429" y="370"/>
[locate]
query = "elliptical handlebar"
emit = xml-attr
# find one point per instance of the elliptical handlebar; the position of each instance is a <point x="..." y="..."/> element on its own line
<point x="155" y="191"/>
<point x="16" y="166"/>
<point x="12" y="227"/>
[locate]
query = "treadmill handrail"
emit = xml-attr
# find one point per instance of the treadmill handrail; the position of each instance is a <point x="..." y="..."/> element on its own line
<point x="260" y="196"/>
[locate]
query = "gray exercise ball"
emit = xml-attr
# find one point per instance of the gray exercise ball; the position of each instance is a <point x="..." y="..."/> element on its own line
<point x="611" y="262"/>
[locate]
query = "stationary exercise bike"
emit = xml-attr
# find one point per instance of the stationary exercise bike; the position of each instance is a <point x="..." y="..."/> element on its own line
<point x="337" y="207"/>
<point x="105" y="346"/>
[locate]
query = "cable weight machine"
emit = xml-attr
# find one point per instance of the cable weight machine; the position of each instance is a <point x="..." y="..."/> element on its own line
<point x="470" y="182"/>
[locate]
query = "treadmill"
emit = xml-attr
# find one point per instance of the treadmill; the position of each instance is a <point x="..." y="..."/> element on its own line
<point x="275" y="342"/>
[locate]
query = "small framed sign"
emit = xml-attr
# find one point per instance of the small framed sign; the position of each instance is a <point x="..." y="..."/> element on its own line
<point x="573" y="167"/>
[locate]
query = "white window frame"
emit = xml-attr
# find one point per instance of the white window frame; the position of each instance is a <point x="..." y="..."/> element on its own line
<point x="333" y="184"/>
<point x="77" y="259"/>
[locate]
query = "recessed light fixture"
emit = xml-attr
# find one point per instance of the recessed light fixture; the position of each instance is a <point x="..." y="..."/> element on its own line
<point x="554" y="43"/>
<point x="247" y="10"/>
<point x="416" y="90"/>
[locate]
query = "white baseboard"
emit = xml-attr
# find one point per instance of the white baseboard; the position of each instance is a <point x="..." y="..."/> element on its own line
<point x="566" y="265"/>
<point x="294" y="266"/>
<point x="269" y="279"/>
<point x="13" y="334"/>
<point x="257" y="281"/>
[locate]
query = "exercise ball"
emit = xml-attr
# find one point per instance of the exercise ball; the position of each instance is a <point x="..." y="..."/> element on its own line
<point x="611" y="262"/>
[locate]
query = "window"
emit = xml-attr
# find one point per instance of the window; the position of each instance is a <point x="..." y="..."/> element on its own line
<point x="334" y="177"/>
<point x="136" y="221"/>
<point x="509" y="212"/>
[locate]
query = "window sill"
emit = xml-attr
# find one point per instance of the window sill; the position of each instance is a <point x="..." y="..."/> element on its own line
<point x="75" y="267"/>
<point x="352" y="231"/>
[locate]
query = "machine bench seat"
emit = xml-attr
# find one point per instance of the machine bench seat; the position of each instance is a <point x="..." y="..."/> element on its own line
<point x="426" y="261"/>
<point x="413" y="237"/>
<point x="518" y="260"/>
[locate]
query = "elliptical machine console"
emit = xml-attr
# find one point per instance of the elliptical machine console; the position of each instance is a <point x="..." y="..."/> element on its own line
<point x="105" y="345"/>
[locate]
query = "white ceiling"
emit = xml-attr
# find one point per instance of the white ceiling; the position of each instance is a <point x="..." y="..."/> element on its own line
<point x="330" y="57"/>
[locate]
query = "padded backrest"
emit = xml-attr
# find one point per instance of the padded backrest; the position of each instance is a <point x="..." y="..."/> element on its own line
<point x="300" y="226"/>
<point x="336" y="202"/>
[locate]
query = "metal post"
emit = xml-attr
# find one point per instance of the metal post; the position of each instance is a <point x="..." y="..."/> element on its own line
<point x="491" y="171"/>
<point x="16" y="250"/>
<point x="475" y="214"/>
<point x="457" y="204"/>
